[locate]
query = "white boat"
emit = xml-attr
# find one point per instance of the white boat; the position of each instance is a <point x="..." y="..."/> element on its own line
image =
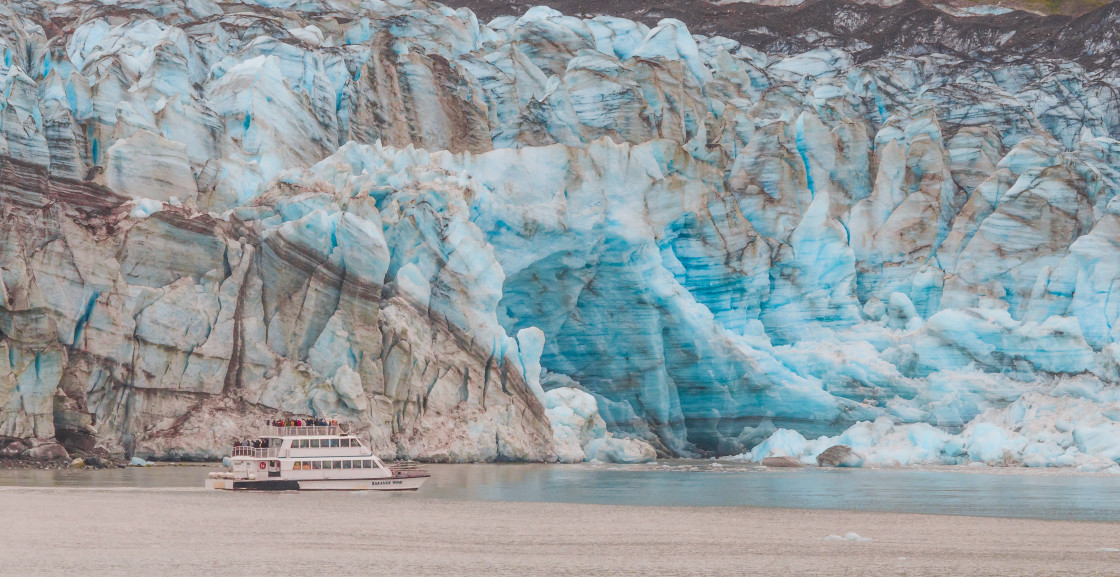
<point x="313" y="458"/>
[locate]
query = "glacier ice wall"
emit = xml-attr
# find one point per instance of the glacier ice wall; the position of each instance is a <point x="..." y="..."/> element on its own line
<point x="212" y="213"/>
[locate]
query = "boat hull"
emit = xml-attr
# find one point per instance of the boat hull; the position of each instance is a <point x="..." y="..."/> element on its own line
<point x="387" y="484"/>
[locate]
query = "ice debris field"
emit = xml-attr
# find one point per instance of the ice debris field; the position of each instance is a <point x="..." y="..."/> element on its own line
<point x="547" y="237"/>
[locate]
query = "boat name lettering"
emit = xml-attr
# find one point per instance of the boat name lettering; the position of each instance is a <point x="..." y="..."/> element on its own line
<point x="388" y="482"/>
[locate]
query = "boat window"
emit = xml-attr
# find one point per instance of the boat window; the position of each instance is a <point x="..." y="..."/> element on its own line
<point x="334" y="442"/>
<point x="347" y="465"/>
<point x="297" y="466"/>
<point x="314" y="443"/>
<point x="316" y="465"/>
<point x="338" y="464"/>
<point x="303" y="444"/>
<point x="367" y="464"/>
<point x="346" y="442"/>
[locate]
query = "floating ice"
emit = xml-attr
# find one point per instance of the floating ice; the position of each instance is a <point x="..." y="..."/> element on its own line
<point x="847" y="537"/>
<point x="1035" y="431"/>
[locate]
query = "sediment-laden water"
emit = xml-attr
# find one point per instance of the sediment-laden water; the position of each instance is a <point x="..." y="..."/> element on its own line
<point x="989" y="492"/>
<point x="525" y="520"/>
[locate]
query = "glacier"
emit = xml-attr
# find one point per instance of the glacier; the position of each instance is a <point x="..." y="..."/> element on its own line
<point x="548" y="237"/>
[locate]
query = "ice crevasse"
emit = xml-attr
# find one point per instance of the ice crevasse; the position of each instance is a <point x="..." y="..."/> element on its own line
<point x="547" y="238"/>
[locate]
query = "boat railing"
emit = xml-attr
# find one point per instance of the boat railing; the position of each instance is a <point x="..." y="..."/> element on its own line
<point x="305" y="431"/>
<point x="404" y="465"/>
<point x="407" y="470"/>
<point x="256" y="452"/>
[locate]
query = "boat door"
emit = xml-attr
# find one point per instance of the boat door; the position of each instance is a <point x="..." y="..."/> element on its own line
<point x="274" y="468"/>
<point x="281" y="445"/>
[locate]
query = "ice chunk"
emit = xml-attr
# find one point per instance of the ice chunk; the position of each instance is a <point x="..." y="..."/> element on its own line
<point x="579" y="433"/>
<point x="783" y="443"/>
<point x="145" y="207"/>
<point x="847" y="537"/>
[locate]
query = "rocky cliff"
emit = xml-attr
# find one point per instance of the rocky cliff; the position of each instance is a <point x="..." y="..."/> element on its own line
<point x="421" y="222"/>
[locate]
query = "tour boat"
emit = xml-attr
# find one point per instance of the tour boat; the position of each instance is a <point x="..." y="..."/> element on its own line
<point x="289" y="458"/>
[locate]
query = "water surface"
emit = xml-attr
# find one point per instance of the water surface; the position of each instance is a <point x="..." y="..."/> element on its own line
<point x="1019" y="493"/>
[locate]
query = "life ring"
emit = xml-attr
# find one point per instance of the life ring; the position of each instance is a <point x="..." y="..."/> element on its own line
<point x="262" y="464"/>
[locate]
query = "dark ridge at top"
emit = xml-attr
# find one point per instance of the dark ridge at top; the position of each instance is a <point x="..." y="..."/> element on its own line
<point x="867" y="31"/>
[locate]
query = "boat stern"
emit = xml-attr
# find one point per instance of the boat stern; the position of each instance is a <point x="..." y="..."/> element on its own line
<point x="212" y="483"/>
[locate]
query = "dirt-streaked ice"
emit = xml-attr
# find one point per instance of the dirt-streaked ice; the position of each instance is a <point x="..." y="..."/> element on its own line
<point x="547" y="237"/>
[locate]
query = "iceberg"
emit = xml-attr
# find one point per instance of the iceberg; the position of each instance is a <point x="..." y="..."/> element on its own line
<point x="1036" y="430"/>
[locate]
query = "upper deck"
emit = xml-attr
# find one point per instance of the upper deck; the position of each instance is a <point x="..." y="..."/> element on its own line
<point x="302" y="441"/>
<point x="303" y="431"/>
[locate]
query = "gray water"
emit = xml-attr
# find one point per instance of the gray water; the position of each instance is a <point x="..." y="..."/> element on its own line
<point x="1017" y="493"/>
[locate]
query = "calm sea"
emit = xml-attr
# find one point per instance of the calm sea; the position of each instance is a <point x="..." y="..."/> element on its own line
<point x="1053" y="495"/>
